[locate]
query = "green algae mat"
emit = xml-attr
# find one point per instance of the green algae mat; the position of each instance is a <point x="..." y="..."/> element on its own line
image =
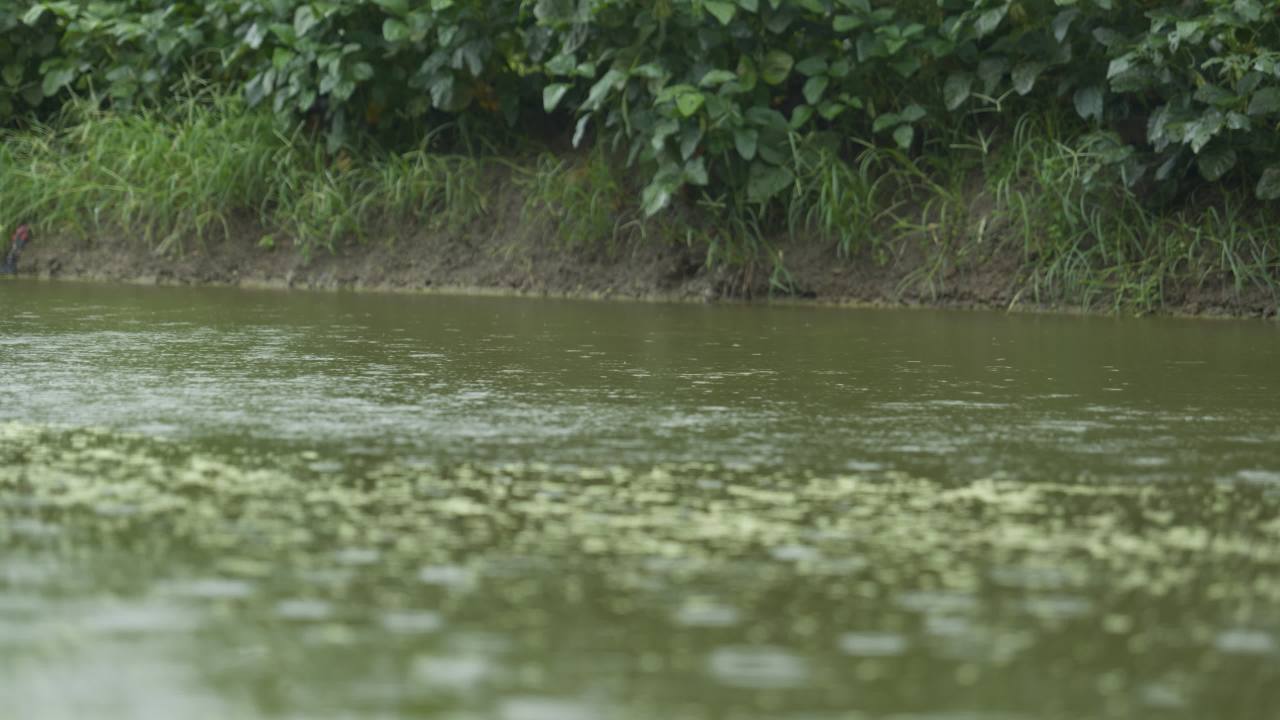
<point x="239" y="505"/>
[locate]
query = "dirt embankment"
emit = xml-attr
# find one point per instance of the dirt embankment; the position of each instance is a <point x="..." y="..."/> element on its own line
<point x="504" y="255"/>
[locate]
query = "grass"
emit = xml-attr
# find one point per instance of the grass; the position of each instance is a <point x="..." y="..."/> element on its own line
<point x="209" y="167"/>
<point x="1058" y="196"/>
<point x="1045" y="191"/>
<point x="582" y="200"/>
<point x="1088" y="235"/>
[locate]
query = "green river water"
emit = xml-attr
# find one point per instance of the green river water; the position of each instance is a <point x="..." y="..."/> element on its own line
<point x="231" y="504"/>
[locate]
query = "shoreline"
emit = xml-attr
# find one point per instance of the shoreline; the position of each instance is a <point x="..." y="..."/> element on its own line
<point x="649" y="273"/>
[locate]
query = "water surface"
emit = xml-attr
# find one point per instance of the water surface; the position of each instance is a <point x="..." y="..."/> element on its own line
<point x="221" y="503"/>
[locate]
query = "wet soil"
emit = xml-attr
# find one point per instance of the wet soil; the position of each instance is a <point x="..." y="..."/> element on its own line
<point x="504" y="255"/>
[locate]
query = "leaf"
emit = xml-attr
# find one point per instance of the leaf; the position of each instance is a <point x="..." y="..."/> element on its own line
<point x="1265" y="101"/>
<point x="304" y="19"/>
<point x="655" y="197"/>
<point x="398" y="7"/>
<point x="765" y="181"/>
<point x="1107" y="37"/>
<point x="688" y="103"/>
<point x="814" y="87"/>
<point x="554" y="11"/>
<point x="552" y="95"/>
<point x="12" y="75"/>
<point x="988" y="21"/>
<point x="1062" y="22"/>
<point x="1250" y="10"/>
<point x="1211" y="94"/>
<point x="56" y="80"/>
<point x="747" y="74"/>
<point x="690" y="136"/>
<point x="886" y="121"/>
<point x="812" y="65"/>
<point x="33" y="14"/>
<point x="845" y="23"/>
<point x="723" y="11"/>
<point x="1088" y="101"/>
<point x="904" y="135"/>
<point x="766" y="118"/>
<point x="1024" y="76"/>
<point x="776" y="67"/>
<point x="956" y="89"/>
<point x="254" y="36"/>
<point x="990" y="71"/>
<point x="745" y="141"/>
<point x="716" y="77"/>
<point x="695" y="172"/>
<point x="912" y="113"/>
<point x="362" y="71"/>
<point x="801" y="114"/>
<point x="1269" y="184"/>
<point x="750" y="6"/>
<point x="1200" y="132"/>
<point x="1119" y="65"/>
<point x="395" y="30"/>
<point x="1167" y="167"/>
<point x="1215" y="162"/>
<point x="580" y="129"/>
<point x="602" y="88"/>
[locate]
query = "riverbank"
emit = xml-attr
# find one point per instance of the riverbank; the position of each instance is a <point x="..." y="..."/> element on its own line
<point x="219" y="195"/>
<point x="494" y="262"/>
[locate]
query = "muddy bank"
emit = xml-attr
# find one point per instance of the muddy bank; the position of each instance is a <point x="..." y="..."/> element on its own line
<point x="527" y="261"/>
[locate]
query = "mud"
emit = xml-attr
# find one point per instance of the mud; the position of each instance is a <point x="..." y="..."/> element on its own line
<point x="505" y="256"/>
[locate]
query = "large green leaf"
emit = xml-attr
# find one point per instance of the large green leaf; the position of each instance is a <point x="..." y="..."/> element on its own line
<point x="394" y="30"/>
<point x="304" y="18"/>
<point x="845" y="23"/>
<point x="717" y="77"/>
<point x="1265" y="101"/>
<point x="57" y="79"/>
<point x="1088" y="102"/>
<point x="745" y="141"/>
<point x="1214" y="162"/>
<point x="956" y="89"/>
<point x="776" y="66"/>
<point x="765" y="181"/>
<point x="886" y="121"/>
<point x="814" y="87"/>
<point x="812" y="65"/>
<point x="610" y="81"/>
<point x="988" y="21"/>
<point x="1024" y="76"/>
<point x="1269" y="184"/>
<point x="1199" y="133"/>
<point x="904" y="135"/>
<point x="723" y="11"/>
<point x="12" y="74"/>
<point x="912" y="112"/>
<point x="695" y="172"/>
<point x="552" y="95"/>
<point x="689" y="102"/>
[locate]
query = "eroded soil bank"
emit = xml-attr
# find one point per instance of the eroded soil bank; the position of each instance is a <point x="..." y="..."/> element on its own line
<point x="508" y="257"/>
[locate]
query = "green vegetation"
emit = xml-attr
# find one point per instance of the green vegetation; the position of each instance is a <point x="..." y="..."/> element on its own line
<point x="1119" y="148"/>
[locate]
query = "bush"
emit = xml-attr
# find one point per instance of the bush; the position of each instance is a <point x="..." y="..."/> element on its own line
<point x="722" y="95"/>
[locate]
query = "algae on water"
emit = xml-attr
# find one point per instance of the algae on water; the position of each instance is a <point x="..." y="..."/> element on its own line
<point x="691" y="590"/>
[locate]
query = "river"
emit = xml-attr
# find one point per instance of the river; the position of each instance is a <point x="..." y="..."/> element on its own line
<point x="220" y="503"/>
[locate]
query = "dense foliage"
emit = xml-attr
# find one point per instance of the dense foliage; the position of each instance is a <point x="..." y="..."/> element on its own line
<point x="722" y="94"/>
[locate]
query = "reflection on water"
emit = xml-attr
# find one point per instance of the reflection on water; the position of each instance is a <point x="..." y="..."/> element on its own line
<point x="358" y="506"/>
